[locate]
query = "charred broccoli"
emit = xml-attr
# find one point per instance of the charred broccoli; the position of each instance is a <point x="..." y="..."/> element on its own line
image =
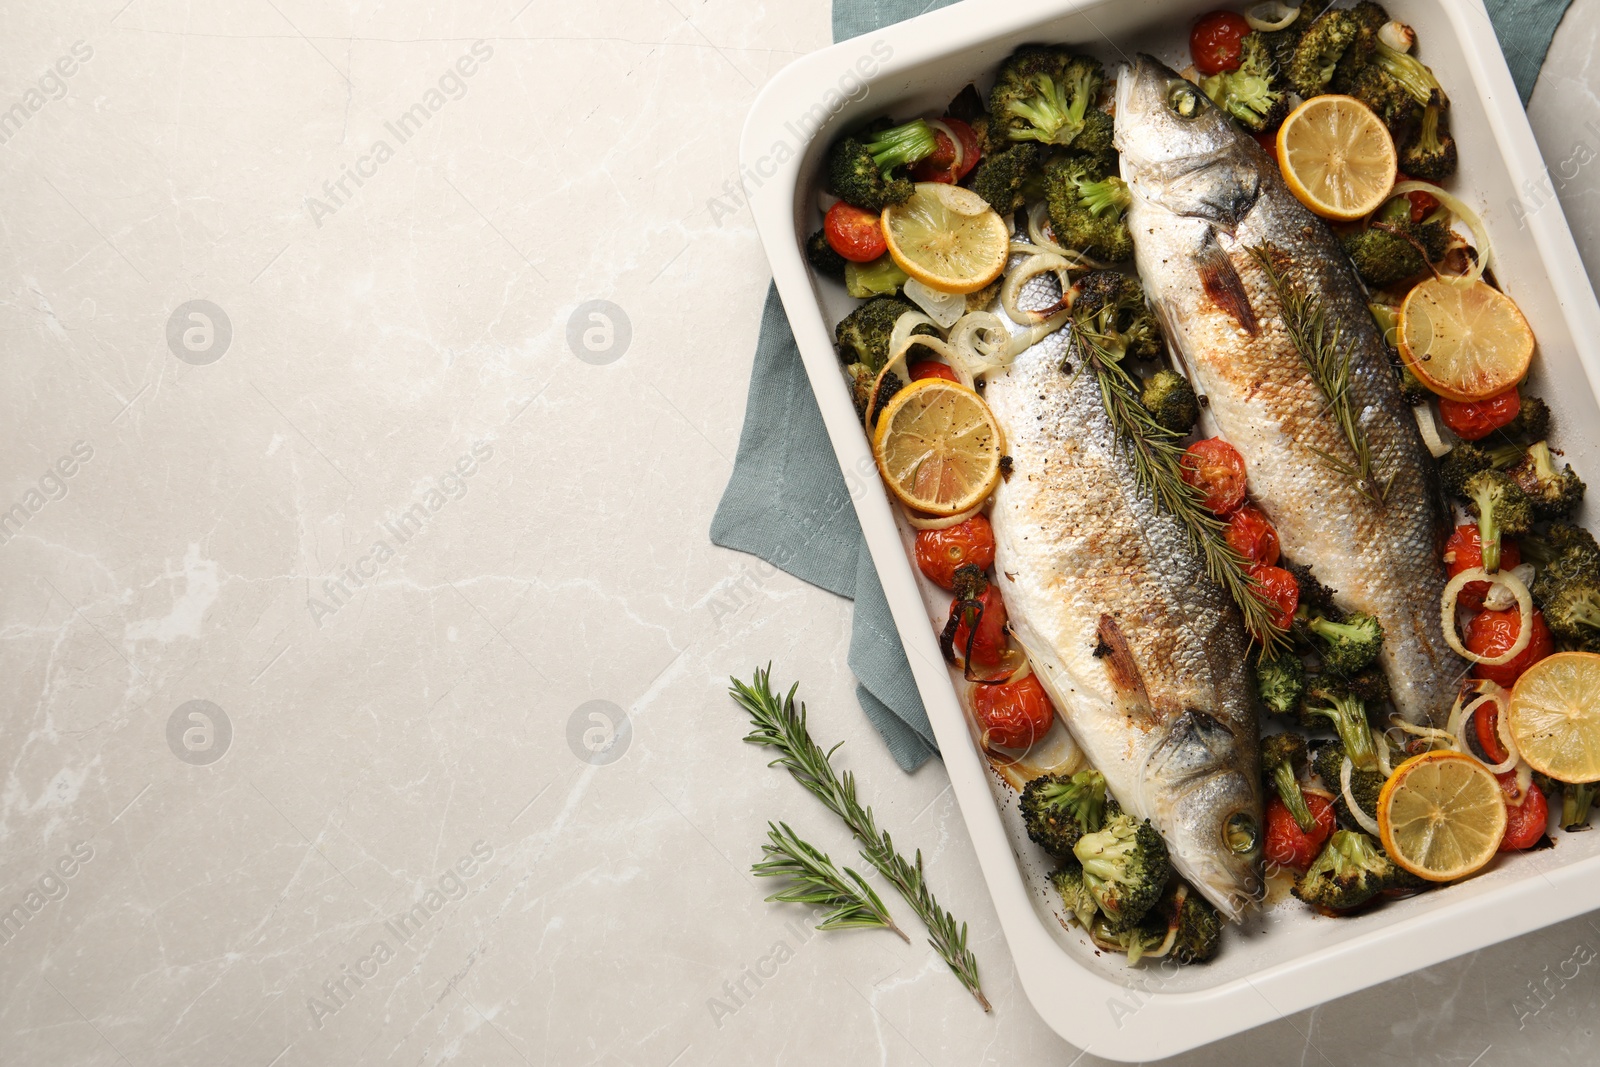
<point x="1430" y="151"/>
<point x="1313" y="594"/>
<point x="861" y="168"/>
<point x="1110" y="310"/>
<point x="1347" y="713"/>
<point x="1137" y="939"/>
<point x="1002" y="177"/>
<point x="1365" y="786"/>
<point x="1576" y="801"/>
<point x="823" y="259"/>
<point x="1565" y="554"/>
<point x="1125" y="866"/>
<point x="1282" y="757"/>
<point x="1044" y="94"/>
<point x="881" y="277"/>
<point x="1460" y="464"/>
<point x="1281" y="681"/>
<point x="1251" y="94"/>
<point x="1318" y="51"/>
<point x="862" y="378"/>
<point x="1348" y="647"/>
<point x="1199" y="933"/>
<point x="1075" y="895"/>
<point x="1058" y="809"/>
<point x="1532" y="422"/>
<point x="1501" y="507"/>
<point x="1392" y="248"/>
<point x="1170" y="399"/>
<point x="1351" y="870"/>
<point x="1553" y="493"/>
<point x="1573" y="612"/>
<point x="1087" y="209"/>
<point x="863" y="335"/>
<point x="1095" y="144"/>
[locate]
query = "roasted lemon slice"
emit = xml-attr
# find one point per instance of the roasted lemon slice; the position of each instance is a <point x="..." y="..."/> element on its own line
<point x="1337" y="157"/>
<point x="938" y="447"/>
<point x="1441" y="815"/>
<point x="1555" y="716"/>
<point x="948" y="238"/>
<point x="1464" y="340"/>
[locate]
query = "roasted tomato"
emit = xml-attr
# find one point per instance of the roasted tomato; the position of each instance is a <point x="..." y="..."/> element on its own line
<point x="1486" y="724"/>
<point x="1013" y="715"/>
<point x="1422" y="204"/>
<point x="947" y="164"/>
<point x="932" y="368"/>
<point x="1474" y="420"/>
<point x="1252" y="536"/>
<point x="1525" y="822"/>
<point x="940" y="552"/>
<point x="989" y="643"/>
<point x="1490" y="633"/>
<point x="855" y="234"/>
<point x="1289" y="846"/>
<point x="1215" y="467"/>
<point x="1280" y="590"/>
<point x="1464" y="551"/>
<point x="1217" y="41"/>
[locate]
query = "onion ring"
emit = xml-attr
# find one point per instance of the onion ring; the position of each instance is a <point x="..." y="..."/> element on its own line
<point x="920" y="522"/>
<point x="1271" y="16"/>
<point x="1430" y="430"/>
<point x="961" y="150"/>
<point x="1367" y="822"/>
<point x="1031" y="268"/>
<point x="1447" y="614"/>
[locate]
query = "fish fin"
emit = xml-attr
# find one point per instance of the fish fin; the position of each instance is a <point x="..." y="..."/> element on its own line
<point x="1224" y="286"/>
<point x="1111" y="646"/>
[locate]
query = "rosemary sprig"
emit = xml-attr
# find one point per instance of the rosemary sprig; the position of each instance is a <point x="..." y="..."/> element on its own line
<point x="780" y="723"/>
<point x="1157" y="465"/>
<point x="813" y="879"/>
<point x="1331" y="362"/>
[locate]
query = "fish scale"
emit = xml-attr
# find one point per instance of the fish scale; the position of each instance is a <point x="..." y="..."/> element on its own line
<point x="1143" y="655"/>
<point x="1204" y="195"/>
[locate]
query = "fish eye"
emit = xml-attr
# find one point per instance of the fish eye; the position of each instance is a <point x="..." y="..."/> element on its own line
<point x="1183" y="100"/>
<point x="1240" y="833"/>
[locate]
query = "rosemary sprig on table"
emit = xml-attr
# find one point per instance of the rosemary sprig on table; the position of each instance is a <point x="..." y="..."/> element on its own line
<point x="780" y="723"/>
<point x="813" y="879"/>
<point x="1157" y="464"/>
<point x="1330" y="361"/>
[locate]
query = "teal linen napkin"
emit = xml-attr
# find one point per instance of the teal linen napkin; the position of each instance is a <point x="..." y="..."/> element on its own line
<point x="787" y="501"/>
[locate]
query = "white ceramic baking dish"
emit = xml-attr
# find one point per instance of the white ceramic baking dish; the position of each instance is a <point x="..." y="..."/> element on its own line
<point x="1286" y="959"/>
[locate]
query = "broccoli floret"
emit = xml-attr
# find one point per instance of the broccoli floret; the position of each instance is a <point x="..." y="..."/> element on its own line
<point x="1043" y="94"/>
<point x="1199" y="924"/>
<point x="1460" y="464"/>
<point x="1087" y="209"/>
<point x="1553" y="493"/>
<point x="1430" y="152"/>
<point x="1347" y="712"/>
<point x="1532" y="422"/>
<point x="881" y="277"/>
<point x="1412" y="74"/>
<point x="1075" y="895"/>
<point x="1109" y="307"/>
<point x="1573" y="612"/>
<point x="861" y="168"/>
<point x="1058" y="809"/>
<point x="1566" y="554"/>
<point x="1136" y="939"/>
<point x="1576" y="801"/>
<point x="1251" y="94"/>
<point x="823" y="258"/>
<point x="1370" y="686"/>
<point x="1281" y="681"/>
<point x="1348" y="647"/>
<point x="1383" y="257"/>
<point x="1501" y="507"/>
<point x="1351" y="870"/>
<point x="863" y="335"/>
<point x="1125" y="866"/>
<point x="1318" y="51"/>
<point x="862" y="378"/>
<point x="1313" y="594"/>
<point x="1171" y="401"/>
<point x="1095" y="144"/>
<point x="1282" y="757"/>
<point x="1364" y="785"/>
<point x="1002" y="177"/>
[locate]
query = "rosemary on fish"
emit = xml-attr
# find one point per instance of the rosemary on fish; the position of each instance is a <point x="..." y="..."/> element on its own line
<point x="1157" y="465"/>
<point x="1331" y="362"/>
<point x="780" y="723"/>
<point x="813" y="879"/>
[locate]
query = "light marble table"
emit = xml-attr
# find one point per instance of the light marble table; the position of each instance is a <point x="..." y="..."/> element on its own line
<point x="331" y="592"/>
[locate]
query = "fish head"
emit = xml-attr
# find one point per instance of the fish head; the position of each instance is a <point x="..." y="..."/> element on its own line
<point x="1207" y="777"/>
<point x="1180" y="151"/>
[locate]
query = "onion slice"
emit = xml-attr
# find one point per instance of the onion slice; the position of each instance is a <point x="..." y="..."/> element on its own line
<point x="1271" y="16"/>
<point x="1380" y="745"/>
<point x="1480" y="234"/>
<point x="921" y="522"/>
<point x="1447" y="614"/>
<point x="1430" y="430"/>
<point x="905" y="324"/>
<point x="1367" y="822"/>
<point x="961" y="150"/>
<point x="1029" y="269"/>
<point x="943" y="308"/>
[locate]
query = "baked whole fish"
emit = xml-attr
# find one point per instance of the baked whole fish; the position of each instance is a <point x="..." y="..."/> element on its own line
<point x="1145" y="658"/>
<point x="1204" y="195"/>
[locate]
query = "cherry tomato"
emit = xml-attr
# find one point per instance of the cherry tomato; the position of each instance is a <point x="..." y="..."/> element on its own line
<point x="1422" y="204"/>
<point x="942" y="166"/>
<point x="1492" y="632"/>
<point x="932" y="368"/>
<point x="1464" y="551"/>
<point x="1216" y="42"/>
<point x="1013" y="715"/>
<point x="1476" y="419"/>
<point x="1289" y="846"/>
<point x="1280" y="590"/>
<point x="1525" y="822"/>
<point x="971" y="147"/>
<point x="1269" y="142"/>
<point x="1215" y="467"/>
<point x="1486" y="723"/>
<point x="1252" y="536"/>
<point x="855" y="234"/>
<point x="940" y="552"/>
<point x="989" y="643"/>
